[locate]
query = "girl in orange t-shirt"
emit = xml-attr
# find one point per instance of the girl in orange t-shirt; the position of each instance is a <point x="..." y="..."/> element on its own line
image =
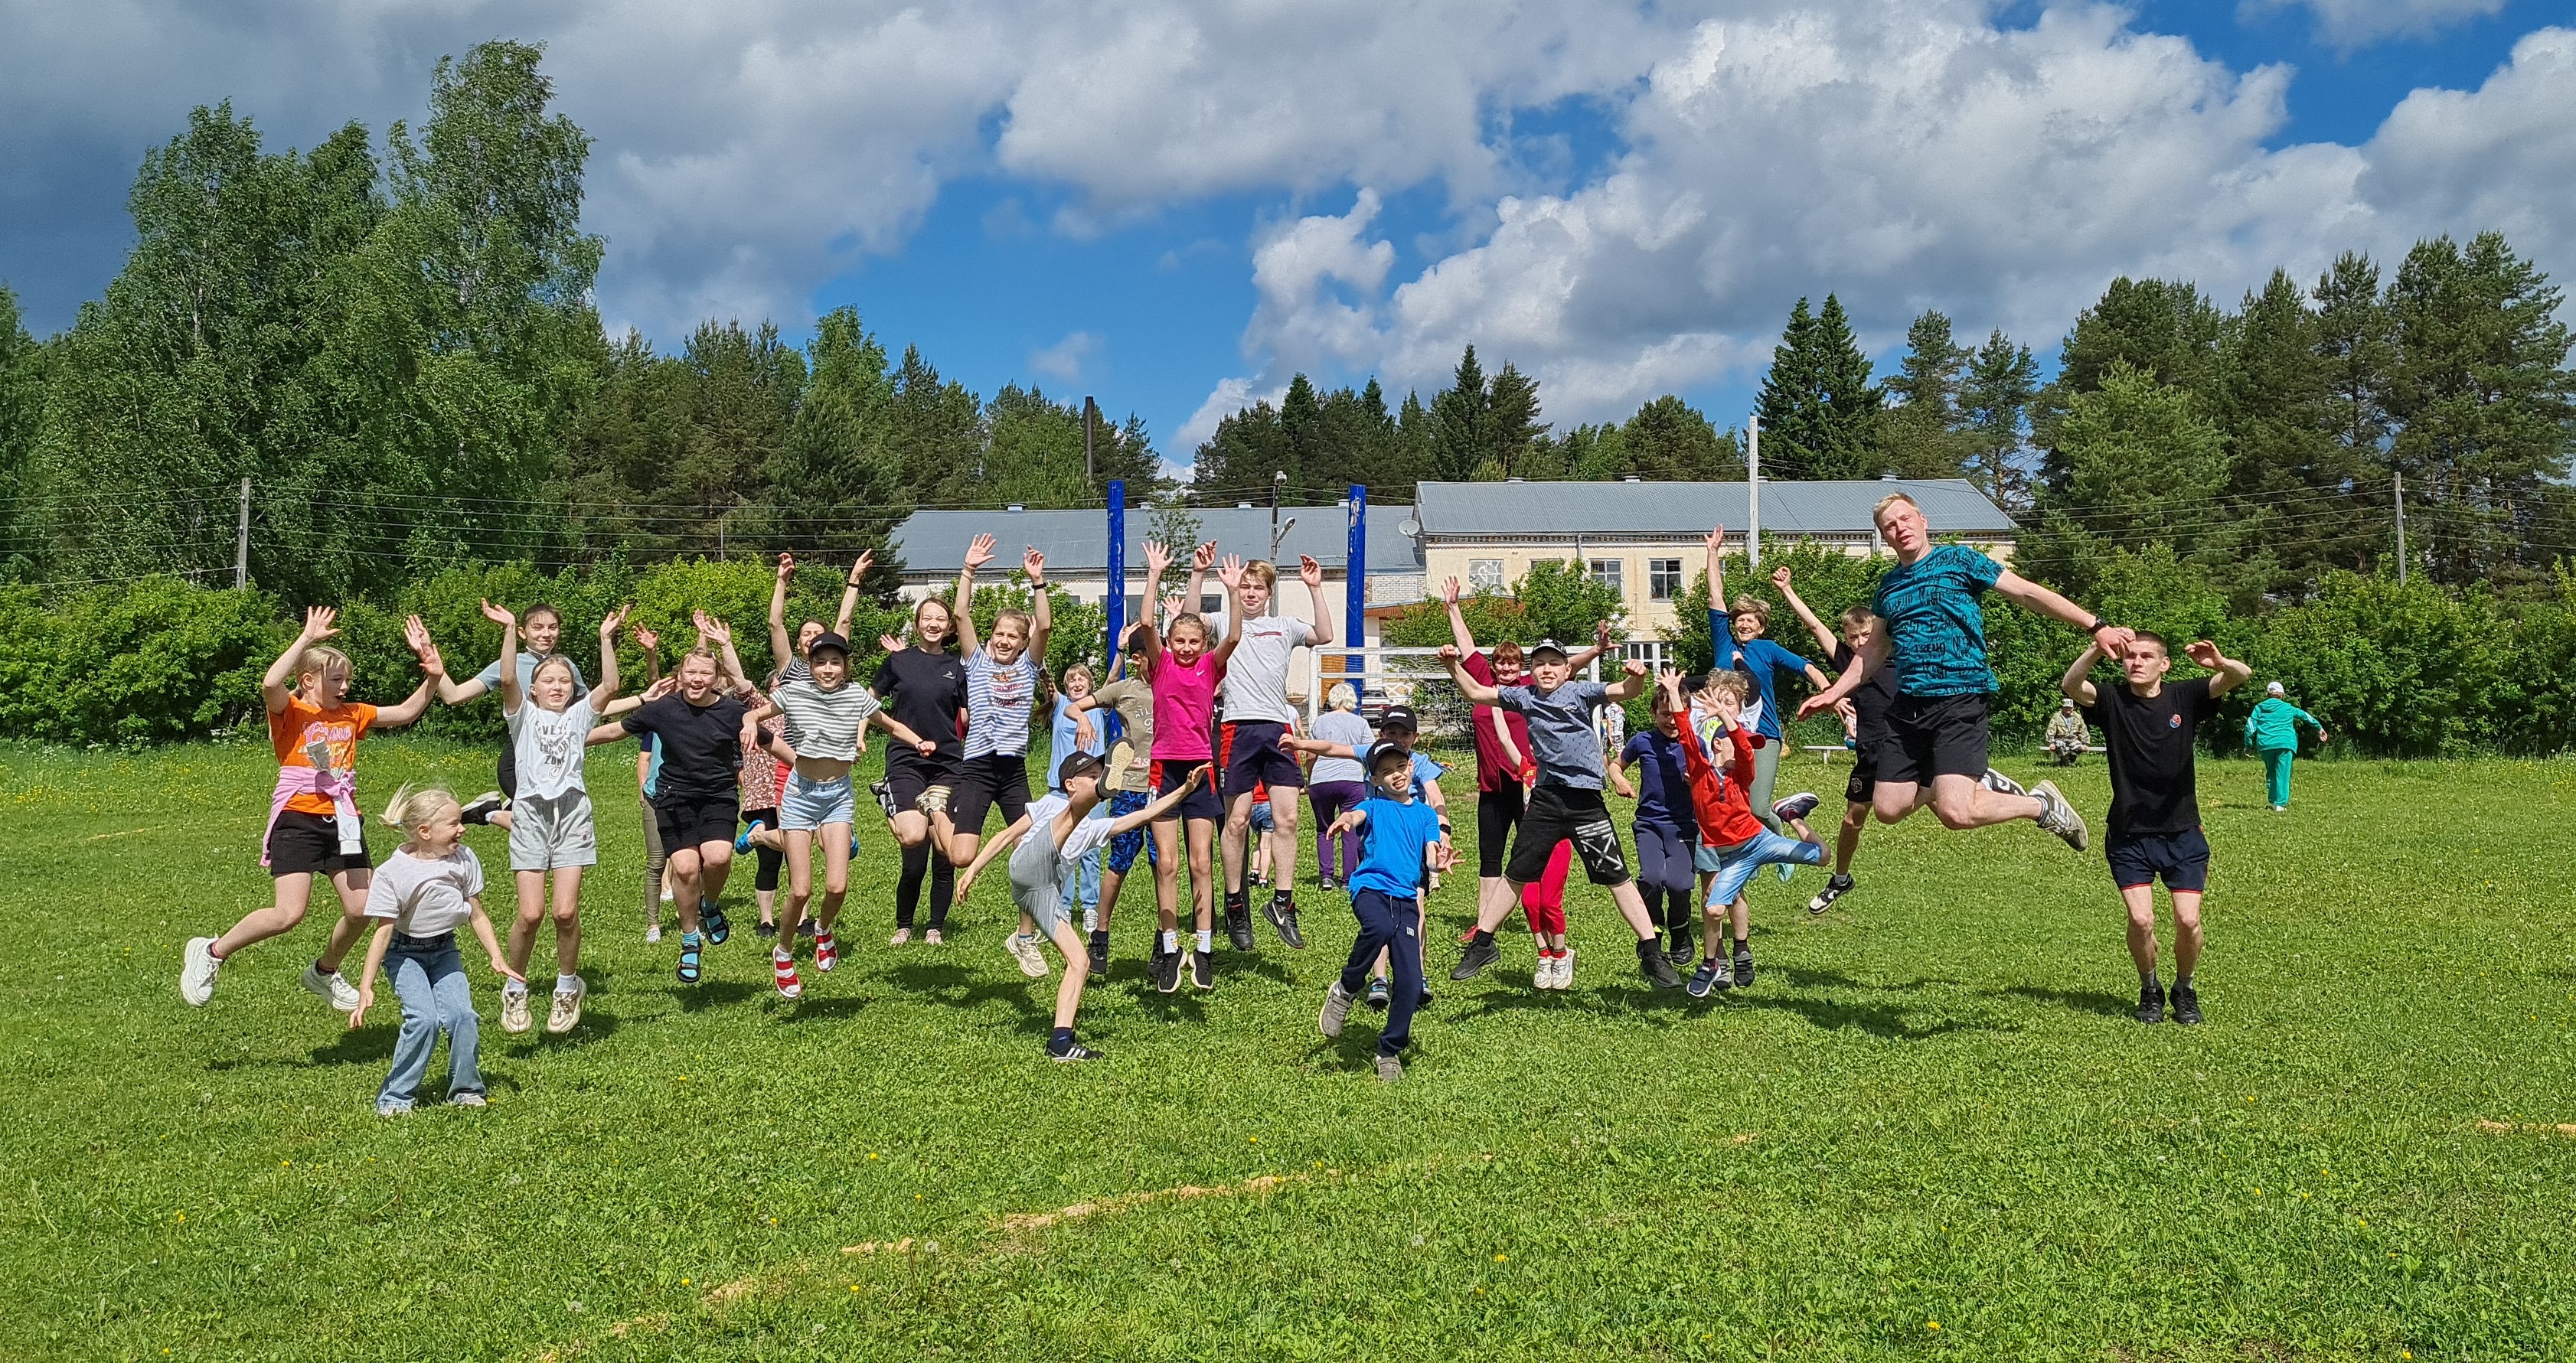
<point x="313" y="823"/>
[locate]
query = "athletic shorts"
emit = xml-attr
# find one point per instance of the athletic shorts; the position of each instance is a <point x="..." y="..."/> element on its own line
<point x="687" y="822"/>
<point x="1737" y="864"/>
<point x="1253" y="758"/>
<point x="1931" y="736"/>
<point x="2181" y="859"/>
<point x="309" y="844"/>
<point x="1123" y="847"/>
<point x="1567" y="814"/>
<point x="1498" y="812"/>
<point x="1201" y="803"/>
<point x="995" y="779"/>
<point x="1864" y="778"/>
<point x="552" y="835"/>
<point x="911" y="777"/>
<point x="1033" y="880"/>
<point x="811" y="804"/>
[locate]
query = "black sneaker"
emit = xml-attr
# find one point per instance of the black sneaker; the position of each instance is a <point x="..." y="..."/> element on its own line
<point x="1651" y="964"/>
<point x="1709" y="977"/>
<point x="1203" y="969"/>
<point x="1678" y="951"/>
<point x="1238" y="922"/>
<point x="1797" y="806"/>
<point x="1836" y="887"/>
<point x="1099" y="958"/>
<point x="1282" y="913"/>
<point x="1743" y="965"/>
<point x="1378" y="994"/>
<point x="1478" y="955"/>
<point x="2151" y="1003"/>
<point x="2186" y="1005"/>
<point x="1073" y="1051"/>
<point x="765" y="929"/>
<point x="482" y="807"/>
<point x="1165" y="969"/>
<point x="717" y="926"/>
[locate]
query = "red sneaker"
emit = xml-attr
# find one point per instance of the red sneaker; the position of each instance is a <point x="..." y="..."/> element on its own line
<point x="783" y="971"/>
<point x="827" y="953"/>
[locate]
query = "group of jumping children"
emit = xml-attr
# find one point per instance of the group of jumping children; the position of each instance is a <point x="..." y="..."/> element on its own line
<point x="1188" y="754"/>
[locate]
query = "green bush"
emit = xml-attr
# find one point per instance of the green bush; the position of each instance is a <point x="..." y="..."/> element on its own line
<point x="135" y="663"/>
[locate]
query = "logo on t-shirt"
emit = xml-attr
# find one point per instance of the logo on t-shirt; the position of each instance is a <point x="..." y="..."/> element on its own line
<point x="2173" y="721"/>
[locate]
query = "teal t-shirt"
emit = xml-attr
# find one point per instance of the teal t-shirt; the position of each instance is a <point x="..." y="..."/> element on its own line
<point x="2274" y="725"/>
<point x="1934" y="624"/>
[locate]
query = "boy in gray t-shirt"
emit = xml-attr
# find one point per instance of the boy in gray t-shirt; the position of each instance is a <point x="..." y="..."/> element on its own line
<point x="1566" y="804"/>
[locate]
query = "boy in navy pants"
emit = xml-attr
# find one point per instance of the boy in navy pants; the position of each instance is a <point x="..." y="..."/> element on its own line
<point x="1400" y="838"/>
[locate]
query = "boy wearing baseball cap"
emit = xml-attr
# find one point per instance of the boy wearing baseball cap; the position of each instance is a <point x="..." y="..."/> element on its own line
<point x="1403" y="839"/>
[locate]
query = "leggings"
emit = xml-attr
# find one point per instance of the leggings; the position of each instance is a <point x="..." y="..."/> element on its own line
<point x="1664" y="871"/>
<point x="771" y="858"/>
<point x="1498" y="812"/>
<point x="1766" y="769"/>
<point x="907" y="890"/>
<point x="653" y="858"/>
<point x="1543" y="900"/>
<point x="1330" y="798"/>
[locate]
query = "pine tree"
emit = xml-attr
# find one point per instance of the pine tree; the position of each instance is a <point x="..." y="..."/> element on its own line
<point x="2163" y="328"/>
<point x="2289" y="481"/>
<point x="1460" y="418"/>
<point x="1668" y="440"/>
<point x="1995" y="401"/>
<point x="833" y="487"/>
<point x="2355" y="355"/>
<point x="1820" y="409"/>
<point x="1924" y="433"/>
<point x="21" y="397"/>
<point x="1512" y="427"/>
<point x="1301" y="419"/>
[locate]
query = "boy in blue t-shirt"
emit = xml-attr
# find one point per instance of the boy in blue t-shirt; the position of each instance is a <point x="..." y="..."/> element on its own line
<point x="1400" y="839"/>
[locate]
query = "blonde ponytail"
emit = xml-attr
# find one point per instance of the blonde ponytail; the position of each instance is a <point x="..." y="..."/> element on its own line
<point x="413" y="805"/>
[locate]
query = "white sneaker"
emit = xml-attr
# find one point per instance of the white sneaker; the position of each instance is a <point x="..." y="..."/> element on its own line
<point x="334" y="986"/>
<point x="565" y="1012"/>
<point x="197" y="968"/>
<point x="901" y="937"/>
<point x="1565" y="969"/>
<point x="1543" y="975"/>
<point x="1024" y="949"/>
<point x="652" y="932"/>
<point x="468" y="1098"/>
<point x="514" y="1008"/>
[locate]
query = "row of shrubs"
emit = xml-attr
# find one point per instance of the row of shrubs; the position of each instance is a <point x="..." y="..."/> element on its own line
<point x="161" y="659"/>
<point x="2407" y="670"/>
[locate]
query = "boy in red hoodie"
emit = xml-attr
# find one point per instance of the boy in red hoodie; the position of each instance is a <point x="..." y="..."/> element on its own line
<point x="1719" y="796"/>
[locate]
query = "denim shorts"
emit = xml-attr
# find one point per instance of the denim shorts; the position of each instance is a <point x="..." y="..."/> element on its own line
<point x="811" y="804"/>
<point x="1737" y="864"/>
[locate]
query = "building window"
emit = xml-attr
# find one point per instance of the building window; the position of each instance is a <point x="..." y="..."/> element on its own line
<point x="1663" y="578"/>
<point x="1484" y="574"/>
<point x="1648" y="651"/>
<point x="1606" y="572"/>
<point x="1211" y="603"/>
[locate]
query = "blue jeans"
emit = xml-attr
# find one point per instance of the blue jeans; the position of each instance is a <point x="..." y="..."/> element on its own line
<point x="1392" y="925"/>
<point x="436" y="997"/>
<point x="1737" y="864"/>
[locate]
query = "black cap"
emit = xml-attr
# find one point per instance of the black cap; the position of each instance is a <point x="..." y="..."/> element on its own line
<point x="1398" y="717"/>
<point x="1546" y="646"/>
<point x="1383" y="753"/>
<point x="1079" y="764"/>
<point x="827" y="639"/>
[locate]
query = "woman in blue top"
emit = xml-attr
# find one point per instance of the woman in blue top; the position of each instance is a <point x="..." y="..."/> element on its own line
<point x="1741" y="648"/>
<point x="2273" y="730"/>
<point x="1667" y="828"/>
<point x="1071" y="731"/>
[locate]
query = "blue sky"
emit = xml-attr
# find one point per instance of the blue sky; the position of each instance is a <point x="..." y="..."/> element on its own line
<point x="1175" y="205"/>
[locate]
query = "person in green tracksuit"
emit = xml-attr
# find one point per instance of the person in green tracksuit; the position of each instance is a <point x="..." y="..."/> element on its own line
<point x="2273" y="731"/>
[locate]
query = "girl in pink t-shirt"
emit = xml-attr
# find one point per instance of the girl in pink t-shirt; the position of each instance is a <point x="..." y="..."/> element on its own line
<point x="1184" y="671"/>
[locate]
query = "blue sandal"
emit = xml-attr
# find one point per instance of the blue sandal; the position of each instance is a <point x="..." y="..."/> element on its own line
<point x="689" y="960"/>
<point x="717" y="925"/>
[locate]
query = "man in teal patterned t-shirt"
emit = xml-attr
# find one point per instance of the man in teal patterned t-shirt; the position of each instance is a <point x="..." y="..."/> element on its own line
<point x="1933" y="632"/>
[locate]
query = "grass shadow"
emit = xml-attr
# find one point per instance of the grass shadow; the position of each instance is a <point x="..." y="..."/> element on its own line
<point x="812" y="1009"/>
<point x="951" y="982"/>
<point x="595" y="1026"/>
<point x="2083" y="1000"/>
<point x="706" y="994"/>
<point x="1878" y="1020"/>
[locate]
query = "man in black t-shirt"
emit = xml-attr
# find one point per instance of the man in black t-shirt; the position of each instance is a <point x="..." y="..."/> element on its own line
<point x="2148" y="728"/>
<point x="1869" y="703"/>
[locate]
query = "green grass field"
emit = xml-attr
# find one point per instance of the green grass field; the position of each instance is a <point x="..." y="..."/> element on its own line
<point x="1930" y="1128"/>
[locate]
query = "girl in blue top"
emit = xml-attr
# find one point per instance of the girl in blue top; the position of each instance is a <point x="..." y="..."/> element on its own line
<point x="1741" y="648"/>
<point x="1071" y="731"/>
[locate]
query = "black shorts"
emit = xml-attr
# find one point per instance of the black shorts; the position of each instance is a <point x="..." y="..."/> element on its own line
<point x="1198" y="804"/>
<point x="686" y="821"/>
<point x="1931" y="736"/>
<point x="1864" y="777"/>
<point x="1253" y="758"/>
<point x="309" y="844"/>
<point x="2182" y="859"/>
<point x="1498" y="812"/>
<point x="982" y="783"/>
<point x="1567" y="814"/>
<point x="908" y="774"/>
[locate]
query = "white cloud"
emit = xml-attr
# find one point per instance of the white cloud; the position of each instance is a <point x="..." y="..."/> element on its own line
<point x="1222" y="402"/>
<point x="2353" y="23"/>
<point x="2502" y="156"/>
<point x="1066" y="358"/>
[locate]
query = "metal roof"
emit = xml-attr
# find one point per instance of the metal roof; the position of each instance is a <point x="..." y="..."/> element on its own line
<point x="932" y="543"/>
<point x="1826" y="507"/>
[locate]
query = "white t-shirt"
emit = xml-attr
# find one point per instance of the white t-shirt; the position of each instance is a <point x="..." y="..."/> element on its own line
<point x="550" y="747"/>
<point x="426" y="896"/>
<point x="1087" y="837"/>
<point x="1256" y="677"/>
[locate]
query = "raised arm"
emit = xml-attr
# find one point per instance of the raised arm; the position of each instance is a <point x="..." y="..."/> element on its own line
<point x="1873" y="656"/>
<point x="781" y="647"/>
<point x="1202" y="559"/>
<point x="2031" y="596"/>
<point x="1129" y="823"/>
<point x="1041" y="608"/>
<point x="1476" y="692"/>
<point x="606" y="690"/>
<point x="2230" y="673"/>
<point x="1231" y="574"/>
<point x="961" y="608"/>
<point x="1600" y="645"/>
<point x="1158" y="560"/>
<point x="512" y="695"/>
<point x="651" y="643"/>
<point x="1716" y="542"/>
<point x="1458" y="631"/>
<point x="1824" y="636"/>
<point x="451" y="692"/>
<point x="2078" y="681"/>
<point x="1632" y="681"/>
<point x="1312" y="574"/>
<point x="320" y="623"/>
<point x="850" y="593"/>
